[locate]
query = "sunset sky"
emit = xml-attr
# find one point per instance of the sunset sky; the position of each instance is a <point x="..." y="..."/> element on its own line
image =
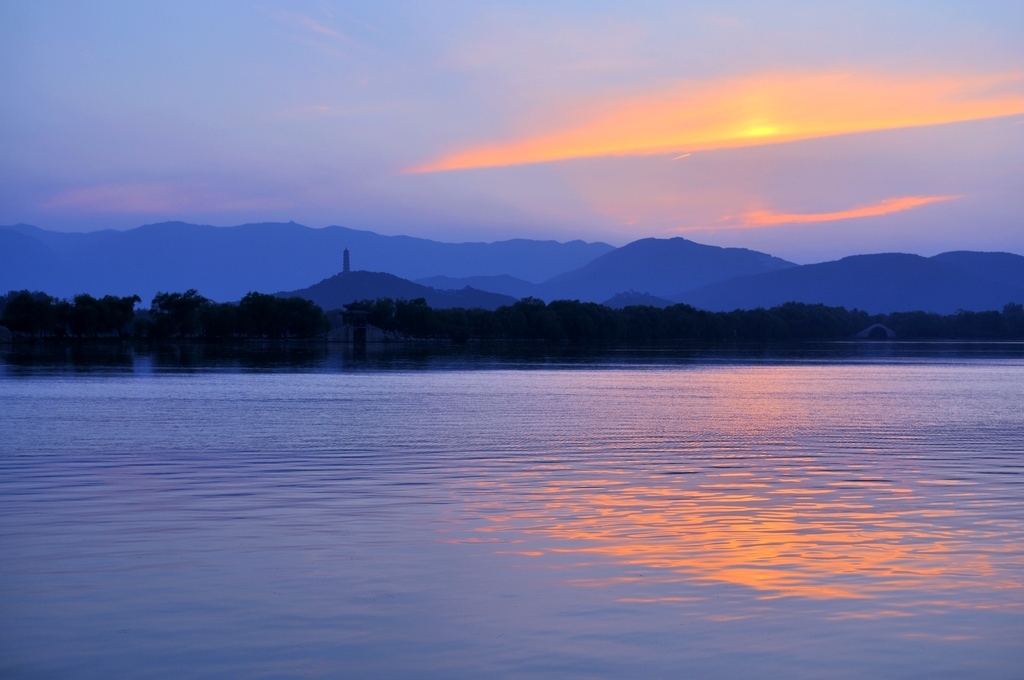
<point x="810" y="130"/>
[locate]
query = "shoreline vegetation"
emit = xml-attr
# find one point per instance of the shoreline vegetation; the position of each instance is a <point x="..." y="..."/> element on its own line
<point x="188" y="316"/>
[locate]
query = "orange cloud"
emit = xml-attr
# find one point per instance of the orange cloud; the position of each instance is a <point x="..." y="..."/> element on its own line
<point x="767" y="218"/>
<point x="748" y="111"/>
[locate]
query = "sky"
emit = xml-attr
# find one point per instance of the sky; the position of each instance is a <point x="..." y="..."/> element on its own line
<point x="810" y="130"/>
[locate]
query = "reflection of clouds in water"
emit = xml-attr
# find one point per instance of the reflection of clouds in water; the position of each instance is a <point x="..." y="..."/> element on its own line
<point x="731" y="521"/>
<point x="824" y="538"/>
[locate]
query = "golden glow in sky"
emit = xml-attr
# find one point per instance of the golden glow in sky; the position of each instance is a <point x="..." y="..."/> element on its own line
<point x="745" y="111"/>
<point x="770" y="218"/>
<point x="594" y="121"/>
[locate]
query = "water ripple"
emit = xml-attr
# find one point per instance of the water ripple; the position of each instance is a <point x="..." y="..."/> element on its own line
<point x="825" y="520"/>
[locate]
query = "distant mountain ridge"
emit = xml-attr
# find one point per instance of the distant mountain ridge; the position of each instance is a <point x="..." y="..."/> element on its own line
<point x="501" y="283"/>
<point x="659" y="267"/>
<point x="1000" y="267"/>
<point x="631" y="298"/>
<point x="224" y="263"/>
<point x="882" y="283"/>
<point x="341" y="289"/>
<point x="654" y="271"/>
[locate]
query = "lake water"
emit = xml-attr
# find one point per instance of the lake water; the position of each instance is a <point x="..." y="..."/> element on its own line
<point x="828" y="512"/>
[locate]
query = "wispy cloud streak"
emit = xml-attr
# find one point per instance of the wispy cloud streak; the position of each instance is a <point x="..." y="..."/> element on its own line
<point x="313" y="26"/>
<point x="769" y="218"/>
<point x="755" y="110"/>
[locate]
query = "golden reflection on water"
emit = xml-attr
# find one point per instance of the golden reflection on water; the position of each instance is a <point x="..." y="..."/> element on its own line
<point x="791" y="521"/>
<point x="848" y="540"/>
<point x="762" y="511"/>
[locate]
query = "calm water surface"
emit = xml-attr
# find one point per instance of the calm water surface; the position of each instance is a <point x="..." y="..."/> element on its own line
<point x="698" y="515"/>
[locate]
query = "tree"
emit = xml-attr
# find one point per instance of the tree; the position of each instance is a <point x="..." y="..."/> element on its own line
<point x="118" y="313"/>
<point x="268" y="316"/>
<point x="84" y="317"/>
<point x="219" y="320"/>
<point x="176" y="314"/>
<point x="30" y="313"/>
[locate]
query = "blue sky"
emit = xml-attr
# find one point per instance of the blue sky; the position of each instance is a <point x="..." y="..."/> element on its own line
<point x="808" y="129"/>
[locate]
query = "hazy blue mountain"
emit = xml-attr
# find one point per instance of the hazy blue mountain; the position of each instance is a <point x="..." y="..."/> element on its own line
<point x="341" y="289"/>
<point x="889" y="282"/>
<point x="632" y="298"/>
<point x="22" y="257"/>
<point x="661" y="267"/>
<point x="224" y="263"/>
<point x="1003" y="267"/>
<point x="503" y="283"/>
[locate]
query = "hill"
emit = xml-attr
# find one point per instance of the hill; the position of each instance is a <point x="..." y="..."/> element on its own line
<point x="224" y="263"/>
<point x="341" y="289"/>
<point x="661" y="267"/>
<point x="1002" y="267"/>
<point x="878" y="284"/>
<point x="631" y="298"/>
<point x="502" y="283"/>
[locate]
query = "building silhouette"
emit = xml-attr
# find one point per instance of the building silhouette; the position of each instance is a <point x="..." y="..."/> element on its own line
<point x="345" y="263"/>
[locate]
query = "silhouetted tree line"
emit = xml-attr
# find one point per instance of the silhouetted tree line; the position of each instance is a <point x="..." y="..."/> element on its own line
<point x="38" y="314"/>
<point x="572" y="321"/>
<point x="190" y="315"/>
<point x="170" y="315"/>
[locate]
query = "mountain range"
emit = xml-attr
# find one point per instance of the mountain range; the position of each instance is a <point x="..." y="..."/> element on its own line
<point x="224" y="263"/>
<point x="883" y="283"/>
<point x="660" y="267"/>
